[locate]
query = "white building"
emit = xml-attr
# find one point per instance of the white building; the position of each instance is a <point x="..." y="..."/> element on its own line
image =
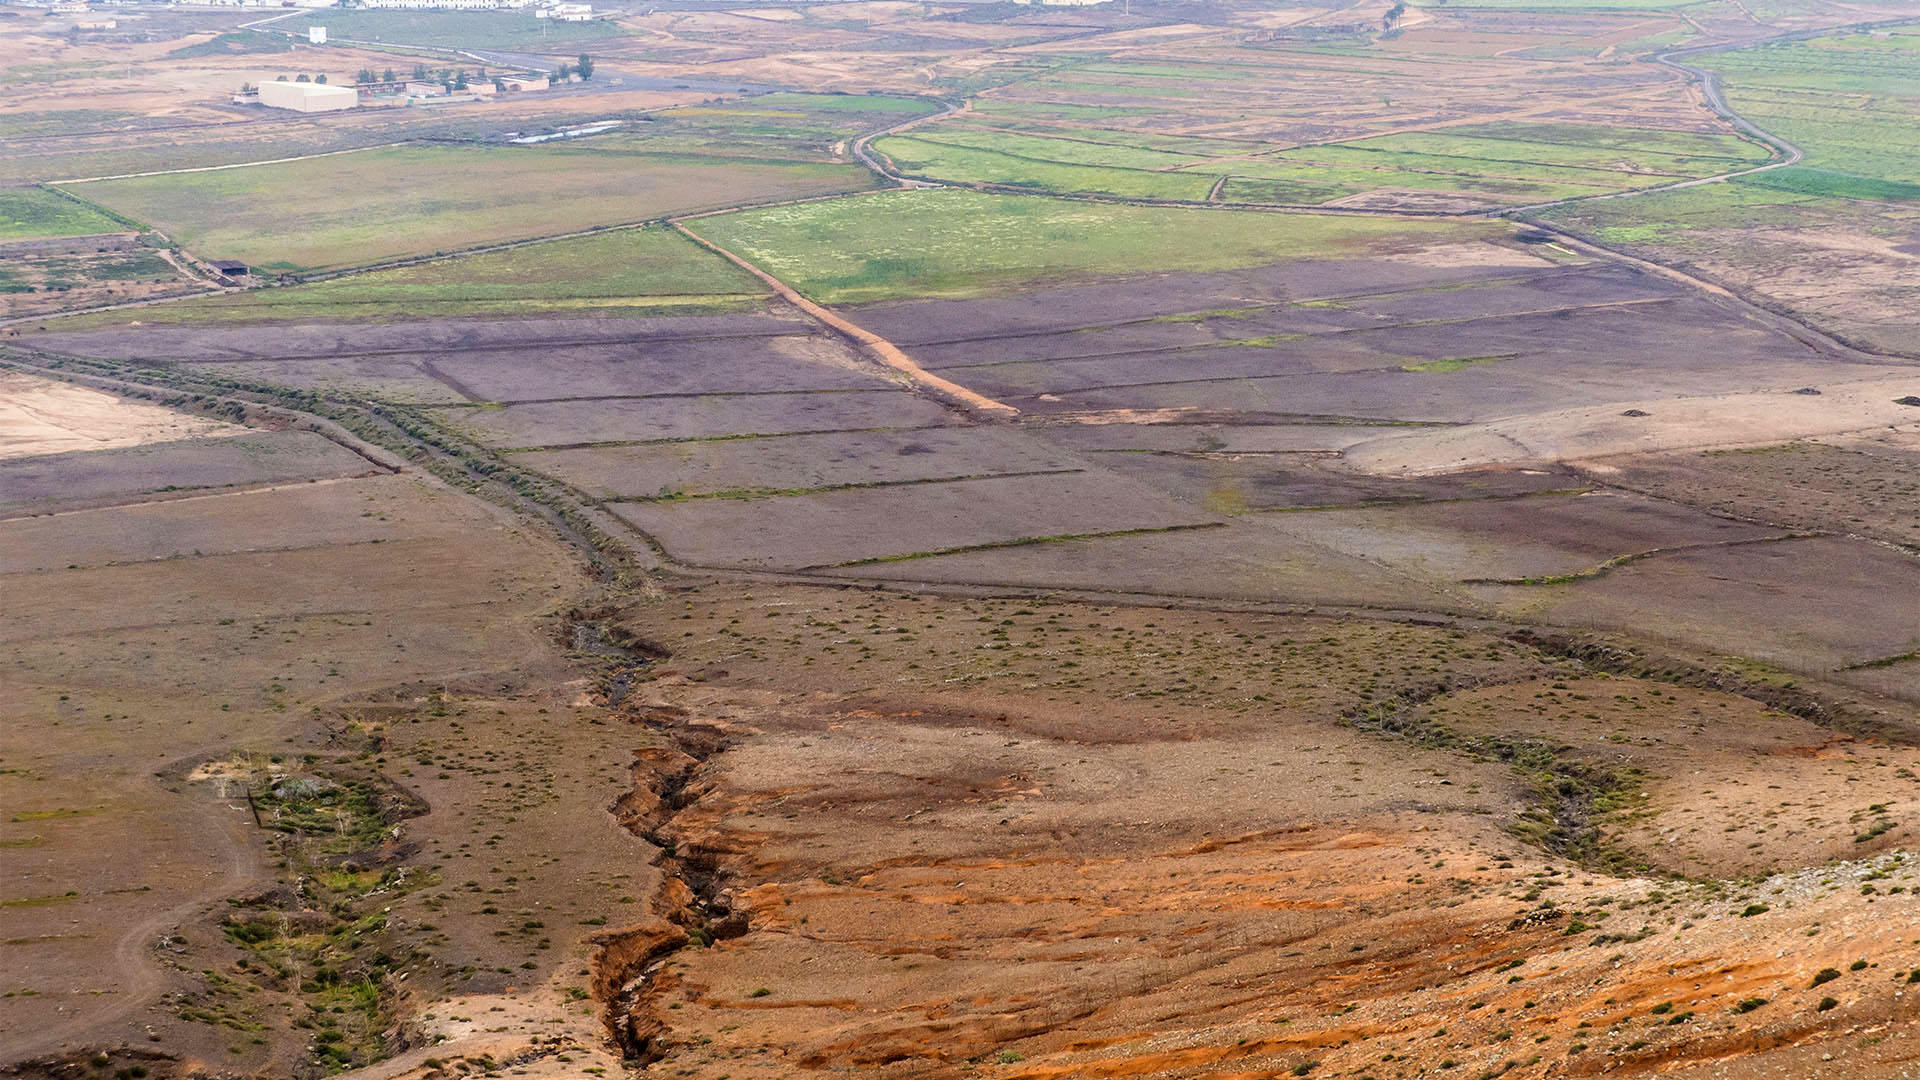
<point x="308" y="97"/>
<point x="566" y="12"/>
<point x="317" y="35"/>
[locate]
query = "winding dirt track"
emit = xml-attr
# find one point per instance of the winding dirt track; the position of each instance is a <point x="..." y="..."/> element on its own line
<point x="883" y="350"/>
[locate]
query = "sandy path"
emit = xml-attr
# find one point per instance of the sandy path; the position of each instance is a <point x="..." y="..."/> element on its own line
<point x="885" y="351"/>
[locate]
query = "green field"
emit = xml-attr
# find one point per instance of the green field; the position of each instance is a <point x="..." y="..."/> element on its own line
<point x="1500" y="163"/>
<point x="58" y="121"/>
<point x="1353" y="179"/>
<point x="1509" y="162"/>
<point x="902" y="107"/>
<point x="1189" y="146"/>
<point x="29" y="213"/>
<point x="960" y="243"/>
<point x="645" y="271"/>
<point x="793" y="127"/>
<point x="1605" y="149"/>
<point x="938" y="160"/>
<point x="467" y="30"/>
<point x="58" y="273"/>
<point x="1851" y="101"/>
<point x="359" y="208"/>
<point x="1108" y="154"/>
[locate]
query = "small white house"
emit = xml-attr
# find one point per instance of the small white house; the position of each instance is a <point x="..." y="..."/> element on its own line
<point x="317" y="35"/>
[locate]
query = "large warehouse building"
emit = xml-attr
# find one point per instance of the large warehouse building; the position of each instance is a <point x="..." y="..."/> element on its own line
<point x="307" y="97"/>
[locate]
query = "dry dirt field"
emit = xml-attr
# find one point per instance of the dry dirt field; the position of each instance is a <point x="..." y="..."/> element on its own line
<point x="1023" y="631"/>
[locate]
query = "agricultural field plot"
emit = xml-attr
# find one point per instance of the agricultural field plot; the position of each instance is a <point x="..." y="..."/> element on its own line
<point x="1851" y="101"/>
<point x="322" y="340"/>
<point x="795" y="126"/>
<point x="32" y="214"/>
<point x="1495" y="164"/>
<point x="941" y="159"/>
<point x="79" y="478"/>
<point x="1497" y="333"/>
<point x="1281" y="120"/>
<point x="741" y="363"/>
<point x="359" y="208"/>
<point x="647" y="272"/>
<point x="901" y="244"/>
<point x="1866" y="485"/>
<point x="691" y="418"/>
<point x="754" y="467"/>
<point x="908" y="521"/>
<point x="1243" y="559"/>
<point x="1851" y="603"/>
<point x="41" y="417"/>
<point x="33" y="282"/>
<point x="222" y="138"/>
<point x="1254" y="482"/>
<point x="57" y="253"/>
<point x="1478" y="370"/>
<point x="1833" y="239"/>
<point x="1549" y="535"/>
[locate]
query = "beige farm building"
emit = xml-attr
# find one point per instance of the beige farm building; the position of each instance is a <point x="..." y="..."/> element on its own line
<point x="307" y="97"/>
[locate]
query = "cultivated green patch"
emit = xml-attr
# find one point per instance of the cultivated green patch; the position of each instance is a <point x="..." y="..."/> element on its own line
<point x="359" y="208"/>
<point x="647" y="271"/>
<point x="962" y="243"/>
<point x="30" y="214"/>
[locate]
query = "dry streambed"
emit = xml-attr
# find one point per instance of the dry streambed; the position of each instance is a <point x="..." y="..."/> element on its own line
<point x="1147" y="843"/>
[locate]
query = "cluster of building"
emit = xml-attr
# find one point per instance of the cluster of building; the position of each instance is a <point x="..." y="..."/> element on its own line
<point x="311" y="97"/>
<point x="563" y="10"/>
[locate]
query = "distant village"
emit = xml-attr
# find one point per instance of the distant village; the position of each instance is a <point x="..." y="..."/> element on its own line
<point x="540" y="9"/>
<point x="421" y="86"/>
